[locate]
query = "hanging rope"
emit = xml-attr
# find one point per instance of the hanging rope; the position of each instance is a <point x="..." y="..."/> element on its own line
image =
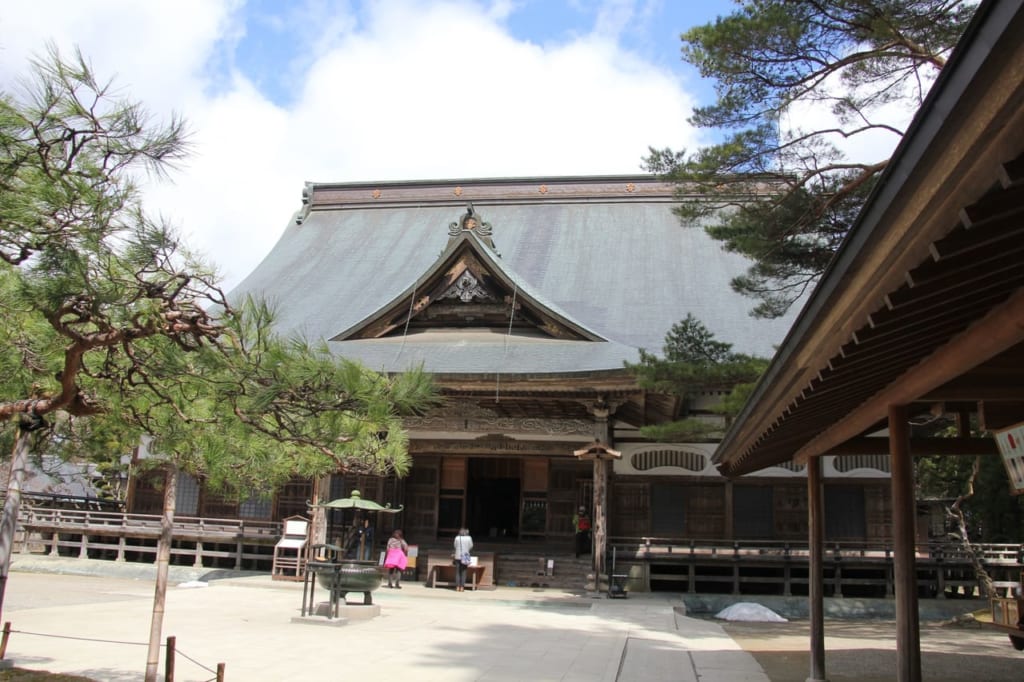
<point x="408" y="318"/>
<point x="511" y="317"/>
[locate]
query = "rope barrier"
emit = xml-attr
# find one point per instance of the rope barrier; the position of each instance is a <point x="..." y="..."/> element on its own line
<point x="80" y="639"/>
<point x="178" y="652"/>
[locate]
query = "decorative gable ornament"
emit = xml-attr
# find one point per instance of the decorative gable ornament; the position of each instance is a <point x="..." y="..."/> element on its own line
<point x="467" y="289"/>
<point x="471" y="222"/>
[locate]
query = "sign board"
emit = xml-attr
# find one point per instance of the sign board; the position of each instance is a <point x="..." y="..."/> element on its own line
<point x="1011" y="446"/>
<point x="413" y="554"/>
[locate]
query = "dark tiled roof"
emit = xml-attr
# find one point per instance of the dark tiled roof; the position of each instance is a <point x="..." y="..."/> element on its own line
<point x="607" y="253"/>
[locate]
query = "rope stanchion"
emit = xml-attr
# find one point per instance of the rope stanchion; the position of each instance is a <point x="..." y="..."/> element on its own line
<point x="169" y="660"/>
<point x="171" y="645"/>
<point x="3" y="642"/>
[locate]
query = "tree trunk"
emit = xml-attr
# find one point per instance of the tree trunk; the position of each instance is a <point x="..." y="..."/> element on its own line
<point x="963" y="535"/>
<point x="9" y="522"/>
<point x="163" y="562"/>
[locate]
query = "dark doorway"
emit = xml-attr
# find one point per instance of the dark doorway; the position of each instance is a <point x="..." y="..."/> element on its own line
<point x="844" y="513"/>
<point x="668" y="510"/>
<point x="752" y="512"/>
<point x="493" y="494"/>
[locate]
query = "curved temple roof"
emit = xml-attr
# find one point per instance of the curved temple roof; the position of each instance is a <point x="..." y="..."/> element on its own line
<point x="596" y="268"/>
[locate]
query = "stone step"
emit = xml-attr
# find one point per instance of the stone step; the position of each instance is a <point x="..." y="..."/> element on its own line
<point x="533" y="570"/>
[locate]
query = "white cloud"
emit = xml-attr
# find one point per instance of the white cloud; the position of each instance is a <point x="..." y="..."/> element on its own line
<point x="880" y="123"/>
<point x="414" y="91"/>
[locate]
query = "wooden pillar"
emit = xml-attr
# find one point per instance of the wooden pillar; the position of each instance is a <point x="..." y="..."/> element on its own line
<point x="601" y="454"/>
<point x="599" y="535"/>
<point x="816" y="568"/>
<point x="908" y="635"/>
<point x="600" y="532"/>
<point x="730" y="521"/>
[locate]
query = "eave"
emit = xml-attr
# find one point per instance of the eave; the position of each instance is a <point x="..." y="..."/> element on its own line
<point x="924" y="303"/>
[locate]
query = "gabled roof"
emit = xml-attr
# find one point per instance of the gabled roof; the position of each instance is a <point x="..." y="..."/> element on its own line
<point x="923" y="306"/>
<point x="468" y="287"/>
<point x="599" y="267"/>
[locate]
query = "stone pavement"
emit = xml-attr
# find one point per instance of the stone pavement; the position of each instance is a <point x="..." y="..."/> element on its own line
<point x="92" y="618"/>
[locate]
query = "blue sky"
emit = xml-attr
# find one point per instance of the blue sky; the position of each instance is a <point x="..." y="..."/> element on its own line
<point x="650" y="30"/>
<point x="278" y="93"/>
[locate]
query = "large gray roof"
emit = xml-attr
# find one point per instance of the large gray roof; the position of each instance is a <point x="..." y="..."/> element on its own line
<point x="608" y="253"/>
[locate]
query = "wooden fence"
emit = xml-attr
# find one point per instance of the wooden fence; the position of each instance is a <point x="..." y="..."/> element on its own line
<point x="852" y="569"/>
<point x="765" y="567"/>
<point x="199" y="542"/>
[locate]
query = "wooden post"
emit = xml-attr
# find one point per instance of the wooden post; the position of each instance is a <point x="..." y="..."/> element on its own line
<point x="3" y="642"/>
<point x="908" y="635"/>
<point x="169" y="662"/>
<point x="220" y="672"/>
<point x="601" y="454"/>
<point x="816" y="567"/>
<point x="730" y="521"/>
<point x="600" y="533"/>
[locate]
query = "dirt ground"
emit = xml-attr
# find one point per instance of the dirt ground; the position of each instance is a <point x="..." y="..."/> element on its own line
<point x="865" y="650"/>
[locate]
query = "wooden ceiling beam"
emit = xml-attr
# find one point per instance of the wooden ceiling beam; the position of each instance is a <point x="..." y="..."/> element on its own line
<point x="993" y="210"/>
<point x="919" y="447"/>
<point x="1011" y="173"/>
<point x="969" y="298"/>
<point x="991" y="275"/>
<point x="995" y="415"/>
<point x="963" y="266"/>
<point x="1004" y="227"/>
<point x="999" y="330"/>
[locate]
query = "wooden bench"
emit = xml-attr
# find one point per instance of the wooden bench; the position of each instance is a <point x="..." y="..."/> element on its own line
<point x="440" y="570"/>
<point x="445" y="574"/>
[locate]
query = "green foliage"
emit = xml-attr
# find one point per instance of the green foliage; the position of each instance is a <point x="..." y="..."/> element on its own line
<point x="113" y="329"/>
<point x="693" y="361"/>
<point x="775" y="188"/>
<point x="996" y="516"/>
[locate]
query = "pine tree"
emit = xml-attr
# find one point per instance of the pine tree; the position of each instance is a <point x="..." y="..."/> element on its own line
<point x="776" y="187"/>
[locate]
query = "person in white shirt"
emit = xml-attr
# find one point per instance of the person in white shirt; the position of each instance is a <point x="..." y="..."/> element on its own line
<point x="463" y="548"/>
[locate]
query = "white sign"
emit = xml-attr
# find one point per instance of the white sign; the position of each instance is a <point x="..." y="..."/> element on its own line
<point x="1011" y="446"/>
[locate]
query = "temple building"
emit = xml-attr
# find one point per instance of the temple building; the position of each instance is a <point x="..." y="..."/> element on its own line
<point x="525" y="298"/>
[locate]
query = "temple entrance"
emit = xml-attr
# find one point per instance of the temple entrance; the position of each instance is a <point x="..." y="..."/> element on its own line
<point x="493" y="495"/>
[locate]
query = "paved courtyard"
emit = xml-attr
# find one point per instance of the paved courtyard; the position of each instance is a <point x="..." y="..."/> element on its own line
<point x="96" y="626"/>
<point x="95" y="623"/>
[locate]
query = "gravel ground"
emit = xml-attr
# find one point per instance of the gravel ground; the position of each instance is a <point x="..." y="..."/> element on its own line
<point x="865" y="650"/>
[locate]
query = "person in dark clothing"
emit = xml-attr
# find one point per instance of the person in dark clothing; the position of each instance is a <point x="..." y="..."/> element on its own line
<point x="581" y="524"/>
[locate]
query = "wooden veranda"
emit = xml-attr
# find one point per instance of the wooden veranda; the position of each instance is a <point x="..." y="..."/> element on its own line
<point x="921" y="313"/>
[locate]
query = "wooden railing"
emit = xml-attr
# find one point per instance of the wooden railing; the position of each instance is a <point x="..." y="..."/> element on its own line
<point x="88" y="533"/>
<point x="739" y="567"/>
<point x="773" y="567"/>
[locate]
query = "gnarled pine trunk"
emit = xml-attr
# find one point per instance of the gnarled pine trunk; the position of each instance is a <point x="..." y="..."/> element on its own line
<point x="163" y="562"/>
